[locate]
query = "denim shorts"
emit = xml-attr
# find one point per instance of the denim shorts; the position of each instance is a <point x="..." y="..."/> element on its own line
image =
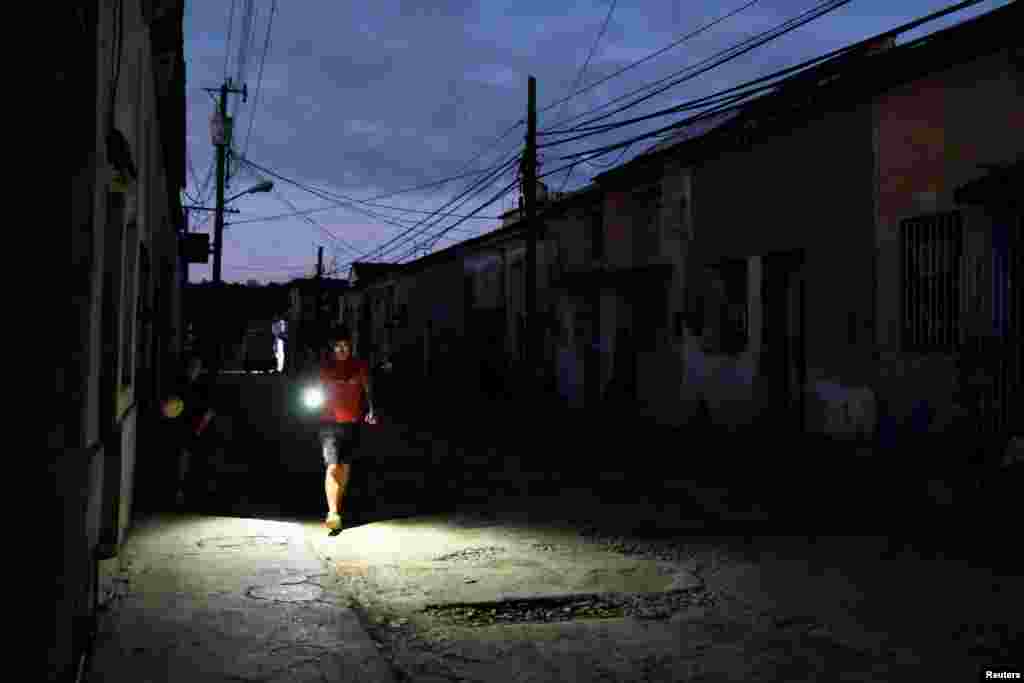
<point x="339" y="442"/>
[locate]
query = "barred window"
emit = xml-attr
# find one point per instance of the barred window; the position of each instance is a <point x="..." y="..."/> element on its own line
<point x="931" y="252"/>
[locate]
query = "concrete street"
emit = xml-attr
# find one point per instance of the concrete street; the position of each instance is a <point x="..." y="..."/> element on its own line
<point x="478" y="560"/>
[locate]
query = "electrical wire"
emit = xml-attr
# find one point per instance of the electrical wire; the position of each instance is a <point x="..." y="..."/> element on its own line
<point x="579" y="77"/>
<point x="335" y="206"/>
<point x="436" y="183"/>
<point x="573" y="92"/>
<point x="718" y="59"/>
<point x="245" y="40"/>
<point x="323" y="194"/>
<point x="600" y="151"/>
<point x="844" y="50"/>
<point x="431" y="241"/>
<point x="720" y="97"/>
<point x="344" y="198"/>
<point x="462" y="199"/>
<point x="408" y="237"/>
<point x="472" y="189"/>
<point x="259" y="79"/>
<point x="653" y="84"/>
<point x="829" y="55"/>
<point x="227" y="46"/>
<point x="315" y="223"/>
<point x="710" y="101"/>
<point x="595" y="164"/>
<point x="501" y="193"/>
<point x="651" y="56"/>
<point x="462" y="172"/>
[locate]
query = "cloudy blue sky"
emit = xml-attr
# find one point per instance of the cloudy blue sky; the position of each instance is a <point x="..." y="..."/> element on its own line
<point x="363" y="99"/>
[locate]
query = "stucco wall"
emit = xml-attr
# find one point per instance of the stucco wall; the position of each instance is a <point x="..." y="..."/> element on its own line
<point x="808" y="188"/>
<point x="933" y="135"/>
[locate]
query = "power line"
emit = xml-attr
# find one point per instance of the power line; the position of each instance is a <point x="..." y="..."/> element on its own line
<point x="849" y="48"/>
<point x="710" y="101"/>
<point x="323" y="194"/>
<point x="595" y="164"/>
<point x="192" y="171"/>
<point x="336" y="205"/>
<point x="493" y="199"/>
<point x="638" y="62"/>
<point x="259" y="79"/>
<point x="720" y="97"/>
<point x="227" y="45"/>
<point x="242" y="62"/>
<point x="404" y="237"/>
<point x="600" y="151"/>
<point x="573" y="92"/>
<point x="344" y="198"/>
<point x="579" y="77"/>
<point x="436" y="183"/>
<point x="316" y="224"/>
<point x="722" y="109"/>
<point x="475" y="188"/>
<point x="431" y="241"/>
<point x="719" y="58"/>
<point x="417" y="231"/>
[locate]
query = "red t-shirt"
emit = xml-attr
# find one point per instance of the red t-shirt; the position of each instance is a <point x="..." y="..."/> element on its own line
<point x="344" y="384"/>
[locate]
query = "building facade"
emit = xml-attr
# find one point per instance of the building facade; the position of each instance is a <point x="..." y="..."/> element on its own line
<point x="126" y="68"/>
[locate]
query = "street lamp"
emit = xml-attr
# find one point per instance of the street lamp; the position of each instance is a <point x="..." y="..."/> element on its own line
<point x="218" y="230"/>
<point x="265" y="186"/>
<point x="218" y="234"/>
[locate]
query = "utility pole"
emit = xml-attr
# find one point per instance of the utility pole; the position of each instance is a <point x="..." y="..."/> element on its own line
<point x="222" y="141"/>
<point x="322" y="338"/>
<point x="530" y="195"/>
<point x="188" y="229"/>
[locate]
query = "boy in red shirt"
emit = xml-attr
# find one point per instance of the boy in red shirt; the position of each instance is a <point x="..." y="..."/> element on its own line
<point x="348" y="403"/>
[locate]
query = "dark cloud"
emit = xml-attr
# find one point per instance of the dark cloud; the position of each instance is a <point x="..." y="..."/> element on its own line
<point x="463" y="9"/>
<point x="349" y="72"/>
<point x="303" y="47"/>
<point x="373" y="97"/>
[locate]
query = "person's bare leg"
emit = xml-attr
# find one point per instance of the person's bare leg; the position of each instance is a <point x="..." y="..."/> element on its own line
<point x="335" y="484"/>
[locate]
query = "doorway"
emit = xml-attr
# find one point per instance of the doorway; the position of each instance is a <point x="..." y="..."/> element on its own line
<point x="783" y="362"/>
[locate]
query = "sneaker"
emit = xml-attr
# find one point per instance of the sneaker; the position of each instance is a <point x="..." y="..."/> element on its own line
<point x="333" y="521"/>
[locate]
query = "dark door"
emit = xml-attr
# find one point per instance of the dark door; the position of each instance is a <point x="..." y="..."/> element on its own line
<point x="783" y="355"/>
<point x="588" y="337"/>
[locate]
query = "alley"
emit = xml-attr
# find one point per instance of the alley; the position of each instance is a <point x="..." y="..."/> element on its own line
<point x="563" y="581"/>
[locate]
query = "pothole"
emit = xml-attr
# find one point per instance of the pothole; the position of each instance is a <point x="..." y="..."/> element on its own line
<point x="525" y="611"/>
<point x="237" y="542"/>
<point x="300" y="592"/>
<point x="470" y="554"/>
<point x="545" y="547"/>
<point x="567" y="608"/>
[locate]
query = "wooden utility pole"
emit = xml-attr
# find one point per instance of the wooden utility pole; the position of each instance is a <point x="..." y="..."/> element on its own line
<point x="530" y="196"/>
<point x="319" y="297"/>
<point x="222" y="141"/>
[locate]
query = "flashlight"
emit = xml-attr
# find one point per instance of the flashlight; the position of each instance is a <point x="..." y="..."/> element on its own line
<point x="313" y="397"/>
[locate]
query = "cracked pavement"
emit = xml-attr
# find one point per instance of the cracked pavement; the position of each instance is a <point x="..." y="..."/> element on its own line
<point x="727" y="608"/>
<point x="514" y="587"/>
